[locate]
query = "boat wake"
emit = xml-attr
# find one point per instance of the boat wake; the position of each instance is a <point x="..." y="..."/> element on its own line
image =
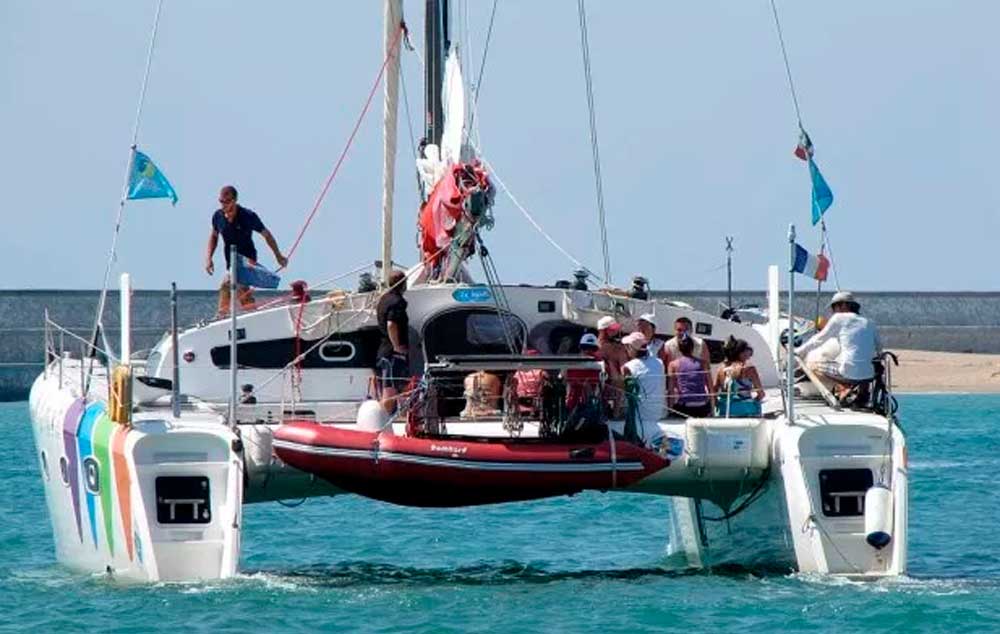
<point x="360" y="573"/>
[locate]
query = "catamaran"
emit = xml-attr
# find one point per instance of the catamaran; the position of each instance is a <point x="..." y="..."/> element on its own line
<point x="148" y="459"/>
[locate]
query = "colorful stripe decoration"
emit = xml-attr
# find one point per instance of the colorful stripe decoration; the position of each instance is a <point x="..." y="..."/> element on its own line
<point x="97" y="468"/>
<point x="71" y="423"/>
<point x="814" y="266"/>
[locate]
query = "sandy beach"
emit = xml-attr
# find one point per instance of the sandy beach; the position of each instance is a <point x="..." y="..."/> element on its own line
<point x="924" y="371"/>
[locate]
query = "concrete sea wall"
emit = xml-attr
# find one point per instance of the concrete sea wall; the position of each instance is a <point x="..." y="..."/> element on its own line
<point x="951" y="322"/>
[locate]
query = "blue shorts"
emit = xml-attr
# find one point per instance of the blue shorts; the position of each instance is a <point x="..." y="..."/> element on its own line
<point x="393" y="372"/>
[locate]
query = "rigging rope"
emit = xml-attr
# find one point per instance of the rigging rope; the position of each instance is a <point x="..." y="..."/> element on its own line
<point x="788" y="68"/>
<point x="824" y="237"/>
<point x="99" y="319"/>
<point x="482" y="65"/>
<point x="534" y="223"/>
<point x="595" y="151"/>
<point x="350" y="140"/>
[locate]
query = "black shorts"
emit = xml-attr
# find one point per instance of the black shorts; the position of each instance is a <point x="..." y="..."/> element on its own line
<point x="393" y="372"/>
<point x="694" y="411"/>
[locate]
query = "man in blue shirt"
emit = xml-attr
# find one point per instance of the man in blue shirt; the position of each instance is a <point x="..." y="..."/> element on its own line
<point x="236" y="225"/>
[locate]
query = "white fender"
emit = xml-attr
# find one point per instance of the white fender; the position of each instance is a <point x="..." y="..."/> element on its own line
<point x="372" y="417"/>
<point x="878" y="516"/>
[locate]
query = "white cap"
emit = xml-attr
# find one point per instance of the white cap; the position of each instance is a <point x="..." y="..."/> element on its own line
<point x="846" y="297"/>
<point x="608" y="323"/>
<point x="589" y="339"/>
<point x="636" y="340"/>
<point x="649" y="318"/>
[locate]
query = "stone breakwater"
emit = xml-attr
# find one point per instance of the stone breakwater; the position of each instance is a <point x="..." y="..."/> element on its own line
<point x="938" y="321"/>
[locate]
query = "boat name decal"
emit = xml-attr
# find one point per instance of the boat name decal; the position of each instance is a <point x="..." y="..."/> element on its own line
<point x="472" y="294"/>
<point x="449" y="449"/>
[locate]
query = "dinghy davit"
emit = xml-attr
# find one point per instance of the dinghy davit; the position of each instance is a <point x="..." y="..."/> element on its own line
<point x="459" y="471"/>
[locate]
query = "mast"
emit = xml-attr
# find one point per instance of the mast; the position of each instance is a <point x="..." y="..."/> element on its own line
<point x="435" y="46"/>
<point x="393" y="22"/>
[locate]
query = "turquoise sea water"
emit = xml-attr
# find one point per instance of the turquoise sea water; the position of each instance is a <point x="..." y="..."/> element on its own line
<point x="592" y="563"/>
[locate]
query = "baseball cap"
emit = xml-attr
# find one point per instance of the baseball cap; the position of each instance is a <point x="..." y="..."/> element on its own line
<point x="636" y="340"/>
<point x="608" y="323"/>
<point x="649" y="318"/>
<point x="589" y="339"/>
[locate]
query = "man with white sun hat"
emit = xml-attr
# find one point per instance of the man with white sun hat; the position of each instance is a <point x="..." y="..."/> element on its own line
<point x="844" y="351"/>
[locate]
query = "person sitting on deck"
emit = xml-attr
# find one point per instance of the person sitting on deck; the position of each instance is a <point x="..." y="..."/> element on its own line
<point x="844" y="351"/>
<point x="689" y="392"/>
<point x="737" y="382"/>
<point x="527" y="385"/>
<point x="236" y="225"/>
<point x="483" y="391"/>
<point x="647" y="371"/>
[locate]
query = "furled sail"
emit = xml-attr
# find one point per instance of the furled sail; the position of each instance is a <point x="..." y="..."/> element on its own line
<point x="460" y="192"/>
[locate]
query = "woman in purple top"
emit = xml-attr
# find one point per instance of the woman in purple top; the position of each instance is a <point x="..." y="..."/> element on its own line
<point x="689" y="390"/>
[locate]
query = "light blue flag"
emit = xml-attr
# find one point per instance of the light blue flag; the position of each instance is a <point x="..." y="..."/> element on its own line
<point x="255" y="275"/>
<point x="822" y="196"/>
<point x="147" y="181"/>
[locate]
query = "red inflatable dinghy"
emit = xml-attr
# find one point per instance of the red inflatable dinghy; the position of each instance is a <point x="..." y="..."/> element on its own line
<point x="445" y="471"/>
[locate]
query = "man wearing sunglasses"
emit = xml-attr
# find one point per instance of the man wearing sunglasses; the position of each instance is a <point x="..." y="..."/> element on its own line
<point x="236" y="225"/>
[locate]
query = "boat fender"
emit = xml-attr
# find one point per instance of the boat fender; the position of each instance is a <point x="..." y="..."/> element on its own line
<point x="878" y="516"/>
<point x="372" y="417"/>
<point x="120" y="395"/>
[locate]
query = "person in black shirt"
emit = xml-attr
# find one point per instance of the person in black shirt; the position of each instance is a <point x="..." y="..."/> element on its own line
<point x="392" y="363"/>
<point x="236" y="225"/>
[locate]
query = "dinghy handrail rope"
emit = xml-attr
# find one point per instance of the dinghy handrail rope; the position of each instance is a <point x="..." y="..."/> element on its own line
<point x="393" y="51"/>
<point x="99" y="319"/>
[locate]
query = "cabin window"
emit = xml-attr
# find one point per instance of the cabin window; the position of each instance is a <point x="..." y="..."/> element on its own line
<point x="488" y="329"/>
<point x="45" y="465"/>
<point x="842" y="491"/>
<point x="337" y="351"/>
<point x="64" y="469"/>
<point x="92" y="475"/>
<point x="183" y="500"/>
<point x="471" y="331"/>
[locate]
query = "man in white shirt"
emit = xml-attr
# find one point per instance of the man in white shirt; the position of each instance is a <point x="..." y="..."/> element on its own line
<point x="648" y="373"/>
<point x="842" y="353"/>
<point x="684" y="328"/>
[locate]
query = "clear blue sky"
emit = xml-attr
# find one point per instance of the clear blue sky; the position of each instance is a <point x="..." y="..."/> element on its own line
<point x="695" y="124"/>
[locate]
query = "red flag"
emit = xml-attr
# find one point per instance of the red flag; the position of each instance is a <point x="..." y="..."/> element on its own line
<point x="804" y="150"/>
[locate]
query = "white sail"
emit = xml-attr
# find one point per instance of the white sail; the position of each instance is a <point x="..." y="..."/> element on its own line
<point x="393" y="18"/>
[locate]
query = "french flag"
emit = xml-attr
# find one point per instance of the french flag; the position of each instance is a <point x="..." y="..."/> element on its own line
<point x="815" y="266"/>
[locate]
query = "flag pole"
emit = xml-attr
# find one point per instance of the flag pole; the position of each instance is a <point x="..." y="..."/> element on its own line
<point x="233" y="336"/>
<point x="790" y="355"/>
